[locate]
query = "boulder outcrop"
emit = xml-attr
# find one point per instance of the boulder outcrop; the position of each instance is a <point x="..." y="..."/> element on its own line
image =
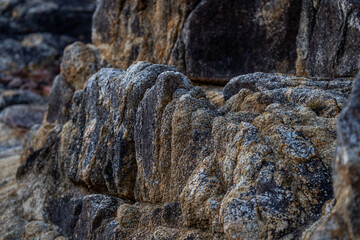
<point x="131" y="149"/>
<point x="165" y="163"/>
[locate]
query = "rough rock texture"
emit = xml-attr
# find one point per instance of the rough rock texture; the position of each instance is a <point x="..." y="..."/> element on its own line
<point x="79" y="62"/>
<point x="327" y="43"/>
<point x="343" y="221"/>
<point x="144" y="154"/>
<point x="207" y="40"/>
<point x="212" y="41"/>
<point x="101" y="153"/>
<point x="141" y="153"/>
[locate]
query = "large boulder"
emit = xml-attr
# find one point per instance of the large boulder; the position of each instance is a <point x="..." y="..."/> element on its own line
<point x="207" y="40"/>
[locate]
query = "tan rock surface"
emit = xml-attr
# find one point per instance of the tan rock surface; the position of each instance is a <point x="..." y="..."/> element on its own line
<point x="145" y="155"/>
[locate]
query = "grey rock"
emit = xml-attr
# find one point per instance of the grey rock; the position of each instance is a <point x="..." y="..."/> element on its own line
<point x="23" y="116"/>
<point x="328" y="39"/>
<point x="14" y="97"/>
<point x="107" y="112"/>
<point x="59" y="101"/>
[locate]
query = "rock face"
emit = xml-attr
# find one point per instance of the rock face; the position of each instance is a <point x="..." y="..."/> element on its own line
<point x="343" y="221"/>
<point x="328" y="38"/>
<point x="213" y="41"/>
<point x="207" y="40"/>
<point x="133" y="150"/>
<point x="145" y="155"/>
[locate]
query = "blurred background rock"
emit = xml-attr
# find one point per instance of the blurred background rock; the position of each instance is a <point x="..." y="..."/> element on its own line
<point x="33" y="35"/>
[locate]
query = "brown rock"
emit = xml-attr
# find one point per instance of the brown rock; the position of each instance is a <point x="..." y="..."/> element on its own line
<point x="258" y="167"/>
<point x="343" y="221"/>
<point x="204" y="39"/>
<point x="79" y="62"/>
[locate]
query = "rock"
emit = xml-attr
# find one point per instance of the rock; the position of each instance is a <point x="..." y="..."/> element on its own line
<point x="24" y="116"/>
<point x="15" y="56"/>
<point x="214" y="94"/>
<point x="11" y="140"/>
<point x="172" y="120"/>
<point x="327" y="40"/>
<point x="79" y="62"/>
<point x="13" y="97"/>
<point x="33" y="35"/>
<point x="243" y="188"/>
<point x="11" y="219"/>
<point x="142" y="153"/>
<point x="266" y="81"/>
<point x="148" y="33"/>
<point x="32" y="63"/>
<point x="145" y="155"/>
<point x="56" y="17"/>
<point x="59" y="101"/>
<point x="343" y="221"/>
<point x="169" y="33"/>
<point x="83" y="217"/>
<point x="107" y="111"/>
<point x="212" y="43"/>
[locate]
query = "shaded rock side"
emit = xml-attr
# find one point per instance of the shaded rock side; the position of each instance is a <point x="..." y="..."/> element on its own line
<point x="343" y="221"/>
<point x="327" y="43"/>
<point x="176" y="167"/>
<point x="222" y="39"/>
<point x="207" y="40"/>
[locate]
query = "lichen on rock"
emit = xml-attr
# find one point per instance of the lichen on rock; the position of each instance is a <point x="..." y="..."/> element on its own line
<point x="129" y="149"/>
<point x="257" y="167"/>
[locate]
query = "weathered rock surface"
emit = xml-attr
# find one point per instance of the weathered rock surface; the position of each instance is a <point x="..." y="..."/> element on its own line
<point x="328" y="37"/>
<point x="79" y="62"/>
<point x="207" y="40"/>
<point x="142" y="153"/>
<point x="222" y="39"/>
<point x="343" y="221"/>
<point x="213" y="41"/>
<point x="145" y="155"/>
